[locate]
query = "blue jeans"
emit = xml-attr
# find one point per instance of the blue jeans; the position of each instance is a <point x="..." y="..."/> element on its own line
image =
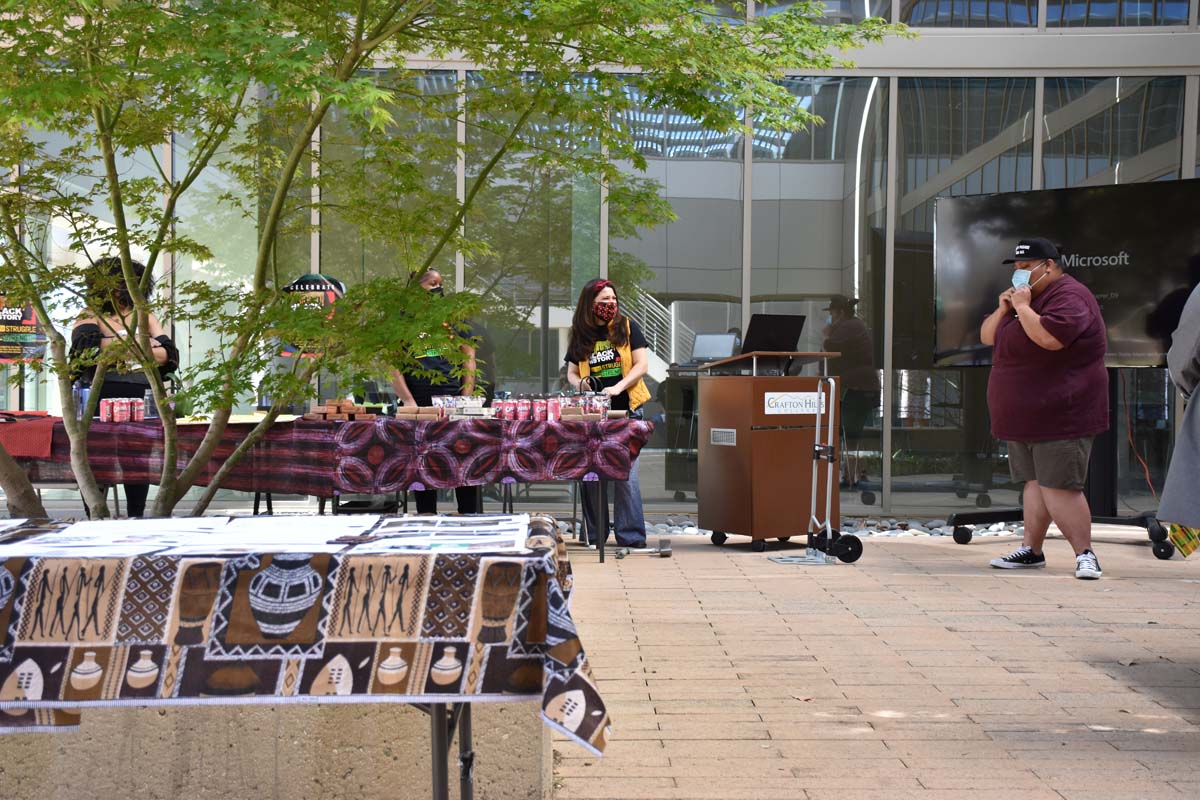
<point x="630" y="523"/>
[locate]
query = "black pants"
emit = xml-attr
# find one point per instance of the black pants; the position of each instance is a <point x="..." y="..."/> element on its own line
<point x="469" y="500"/>
<point x="135" y="500"/>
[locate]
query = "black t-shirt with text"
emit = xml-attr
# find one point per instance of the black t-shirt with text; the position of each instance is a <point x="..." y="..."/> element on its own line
<point x="431" y="356"/>
<point x="604" y="363"/>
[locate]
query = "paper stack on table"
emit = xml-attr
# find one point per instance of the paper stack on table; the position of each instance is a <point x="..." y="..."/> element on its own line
<point x="460" y="534"/>
<point x="231" y="536"/>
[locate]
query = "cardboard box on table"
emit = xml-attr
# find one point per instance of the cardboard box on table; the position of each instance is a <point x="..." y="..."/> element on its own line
<point x="757" y="433"/>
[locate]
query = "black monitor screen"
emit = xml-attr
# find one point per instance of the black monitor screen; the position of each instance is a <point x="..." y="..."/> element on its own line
<point x="1136" y="246"/>
<point x="773" y="333"/>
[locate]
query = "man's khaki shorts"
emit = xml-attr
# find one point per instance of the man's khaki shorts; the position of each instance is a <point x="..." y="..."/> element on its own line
<point x="1060" y="464"/>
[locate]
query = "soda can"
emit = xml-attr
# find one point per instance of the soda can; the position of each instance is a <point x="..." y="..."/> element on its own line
<point x="508" y="409"/>
<point x="106" y="410"/>
<point x="120" y="409"/>
<point x="524" y="408"/>
<point x="137" y="410"/>
<point x="553" y="409"/>
<point x="538" y="410"/>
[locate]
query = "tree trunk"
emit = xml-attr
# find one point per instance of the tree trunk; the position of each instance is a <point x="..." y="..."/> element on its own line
<point x="23" y="500"/>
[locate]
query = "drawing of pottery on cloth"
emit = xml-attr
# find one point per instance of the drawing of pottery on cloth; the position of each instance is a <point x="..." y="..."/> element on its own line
<point x="198" y="588"/>
<point x="501" y="586"/>
<point x="144" y="671"/>
<point x="447" y="669"/>
<point x="26" y="682"/>
<point x="336" y="677"/>
<point x="87" y="673"/>
<point x="393" y="669"/>
<point x="7" y="585"/>
<point x="567" y="709"/>
<point x="283" y="593"/>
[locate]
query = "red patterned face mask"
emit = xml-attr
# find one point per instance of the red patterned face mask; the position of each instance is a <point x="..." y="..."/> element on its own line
<point x="605" y="312"/>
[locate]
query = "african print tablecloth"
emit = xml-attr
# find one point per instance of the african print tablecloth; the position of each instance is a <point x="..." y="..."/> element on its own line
<point x="385" y="455"/>
<point x="405" y="627"/>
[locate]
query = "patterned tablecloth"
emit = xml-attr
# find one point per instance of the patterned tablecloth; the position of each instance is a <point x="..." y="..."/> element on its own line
<point x="385" y="455"/>
<point x="406" y="627"/>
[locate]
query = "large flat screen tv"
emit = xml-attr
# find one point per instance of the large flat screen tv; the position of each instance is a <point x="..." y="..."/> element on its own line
<point x="1136" y="246"/>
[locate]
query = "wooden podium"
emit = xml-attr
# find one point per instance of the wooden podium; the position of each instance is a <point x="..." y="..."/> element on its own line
<point x="756" y="439"/>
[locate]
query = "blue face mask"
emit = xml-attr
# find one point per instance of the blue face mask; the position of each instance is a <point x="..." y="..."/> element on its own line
<point x="1020" y="277"/>
<point x="829" y="319"/>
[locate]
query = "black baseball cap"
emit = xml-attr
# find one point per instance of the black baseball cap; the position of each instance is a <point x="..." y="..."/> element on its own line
<point x="1033" y="249"/>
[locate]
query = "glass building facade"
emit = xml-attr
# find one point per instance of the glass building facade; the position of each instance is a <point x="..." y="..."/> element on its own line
<point x="771" y="222"/>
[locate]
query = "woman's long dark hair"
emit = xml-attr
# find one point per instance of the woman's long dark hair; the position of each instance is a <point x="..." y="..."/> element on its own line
<point x="585" y="327"/>
<point x="106" y="284"/>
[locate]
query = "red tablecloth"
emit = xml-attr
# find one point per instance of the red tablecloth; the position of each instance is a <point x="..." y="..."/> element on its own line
<point x="327" y="458"/>
<point x="28" y="437"/>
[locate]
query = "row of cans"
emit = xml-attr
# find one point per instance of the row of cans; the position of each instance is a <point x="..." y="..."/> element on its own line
<point x="543" y="409"/>
<point x="120" y="409"/>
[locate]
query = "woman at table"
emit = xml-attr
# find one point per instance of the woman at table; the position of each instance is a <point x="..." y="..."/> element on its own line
<point x="607" y="353"/>
<point x="419" y="390"/>
<point x="104" y="324"/>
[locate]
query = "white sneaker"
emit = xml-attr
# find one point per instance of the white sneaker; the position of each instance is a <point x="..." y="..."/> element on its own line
<point x="1087" y="566"/>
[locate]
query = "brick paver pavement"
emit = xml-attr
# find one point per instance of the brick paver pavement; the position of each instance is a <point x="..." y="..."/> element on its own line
<point x="918" y="672"/>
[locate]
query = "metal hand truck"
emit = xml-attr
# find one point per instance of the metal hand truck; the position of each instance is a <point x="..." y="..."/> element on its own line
<point x="826" y="545"/>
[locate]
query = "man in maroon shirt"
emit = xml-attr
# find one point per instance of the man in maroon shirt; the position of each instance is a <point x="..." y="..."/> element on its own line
<point x="1048" y="398"/>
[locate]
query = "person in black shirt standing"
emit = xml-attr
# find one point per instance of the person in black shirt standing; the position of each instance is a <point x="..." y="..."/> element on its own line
<point x="607" y="353"/>
<point x="419" y="390"/>
<point x="94" y="333"/>
<point x="845" y="333"/>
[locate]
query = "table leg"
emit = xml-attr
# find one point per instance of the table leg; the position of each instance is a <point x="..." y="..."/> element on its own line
<point x="602" y="534"/>
<point x="439" y="739"/>
<point x="575" y="509"/>
<point x="466" y="754"/>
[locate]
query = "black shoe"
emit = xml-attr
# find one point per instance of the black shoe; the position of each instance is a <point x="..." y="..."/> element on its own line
<point x="1021" y="558"/>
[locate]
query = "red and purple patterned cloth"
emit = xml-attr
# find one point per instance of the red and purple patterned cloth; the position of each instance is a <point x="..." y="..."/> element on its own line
<point x="385" y="455"/>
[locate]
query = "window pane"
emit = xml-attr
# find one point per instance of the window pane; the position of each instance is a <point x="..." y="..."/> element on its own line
<point x="1112" y="130"/>
<point x="541" y="225"/>
<point x="972" y="14"/>
<point x="1122" y="130"/>
<point x="958" y="136"/>
<point x="1112" y="13"/>
<point x="207" y="215"/>
<point x="689" y="272"/>
<point x="373" y="225"/>
<point x="819" y="217"/>
<point x="837" y="11"/>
